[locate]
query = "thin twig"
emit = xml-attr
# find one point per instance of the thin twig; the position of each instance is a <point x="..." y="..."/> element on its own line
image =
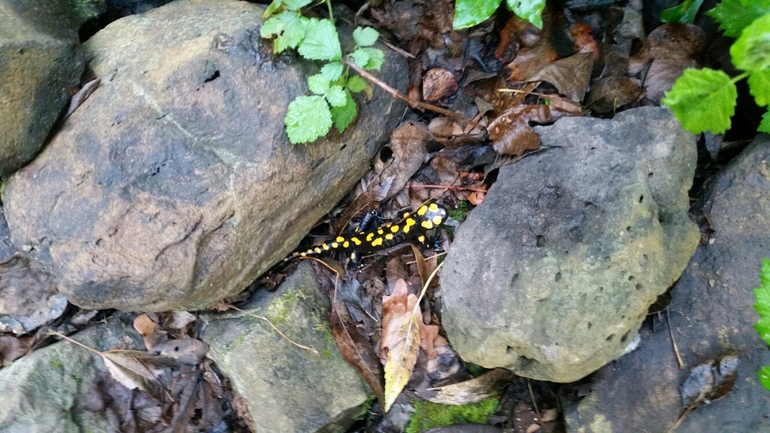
<point x="676" y="349"/>
<point x="427" y="283"/>
<point x="412" y="103"/>
<point x="681" y="419"/>
<point x="309" y="349"/>
<point x="447" y="187"/>
<point x="534" y="403"/>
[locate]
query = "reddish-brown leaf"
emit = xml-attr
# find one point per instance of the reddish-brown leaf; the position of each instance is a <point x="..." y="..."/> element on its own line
<point x="12" y="348"/>
<point x="511" y="133"/>
<point x="437" y="84"/>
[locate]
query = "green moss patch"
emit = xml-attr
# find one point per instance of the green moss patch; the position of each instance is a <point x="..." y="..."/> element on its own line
<point x="429" y="415"/>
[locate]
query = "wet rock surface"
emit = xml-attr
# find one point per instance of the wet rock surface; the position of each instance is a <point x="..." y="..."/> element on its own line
<point x="39" y="58"/>
<point x="553" y="274"/>
<point x="288" y="389"/>
<point x="187" y="189"/>
<point x="711" y="315"/>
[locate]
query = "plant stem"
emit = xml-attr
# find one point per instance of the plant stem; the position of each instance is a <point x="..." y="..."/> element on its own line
<point x="739" y="77"/>
<point x="414" y="104"/>
<point x="331" y="15"/>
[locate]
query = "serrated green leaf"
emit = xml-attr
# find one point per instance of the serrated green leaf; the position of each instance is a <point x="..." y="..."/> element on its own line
<point x="764" y="125"/>
<point x="295" y="5"/>
<point x="682" y="13"/>
<point x="356" y="84"/>
<point x="336" y="96"/>
<point x="318" y="84"/>
<point x="530" y="10"/>
<point x="751" y="52"/>
<point x="288" y="27"/>
<point x="469" y="13"/>
<point x="332" y="71"/>
<point x="344" y="114"/>
<point x="376" y="59"/>
<point x="759" y="86"/>
<point x="703" y="100"/>
<point x="307" y="119"/>
<point x="764" y="274"/>
<point x="360" y="57"/>
<point x="764" y="376"/>
<point x="274" y="6"/>
<point x="365" y="36"/>
<point x="735" y="15"/>
<point x="321" y="41"/>
<point x="763" y="328"/>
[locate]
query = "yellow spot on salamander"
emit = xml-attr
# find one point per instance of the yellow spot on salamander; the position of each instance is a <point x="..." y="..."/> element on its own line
<point x="389" y="236"/>
<point x="422" y="210"/>
<point x="335" y="245"/>
<point x="433" y="207"/>
<point x="340" y="239"/>
<point x="369" y="237"/>
<point x="421" y="238"/>
<point x="394" y="229"/>
<point x="379" y="231"/>
<point x="317" y="250"/>
<point x="437" y="220"/>
<point x="355" y="240"/>
<point x="325" y="246"/>
<point x="409" y="223"/>
<point x="427" y="225"/>
<point x="345" y="244"/>
<point x="405" y="215"/>
<point x="303" y="254"/>
<point x="353" y="255"/>
<point x="377" y="242"/>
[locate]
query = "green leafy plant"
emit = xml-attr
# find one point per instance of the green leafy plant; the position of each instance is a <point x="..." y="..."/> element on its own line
<point x="331" y="102"/>
<point x="762" y="295"/>
<point x="682" y="13"/>
<point x="704" y="99"/>
<point x="469" y="13"/>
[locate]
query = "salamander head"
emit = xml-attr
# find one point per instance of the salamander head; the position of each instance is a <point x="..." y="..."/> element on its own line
<point x="431" y="215"/>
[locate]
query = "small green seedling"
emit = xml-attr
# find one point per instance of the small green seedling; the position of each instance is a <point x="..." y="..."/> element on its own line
<point x="704" y="99"/>
<point x="331" y="102"/>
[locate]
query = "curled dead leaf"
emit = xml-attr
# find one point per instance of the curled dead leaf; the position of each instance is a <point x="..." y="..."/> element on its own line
<point x="570" y="75"/>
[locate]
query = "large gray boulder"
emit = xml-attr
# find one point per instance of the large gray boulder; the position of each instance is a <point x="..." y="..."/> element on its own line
<point x="40" y="59"/>
<point x="553" y="274"/>
<point x="711" y="315"/>
<point x="174" y="184"/>
<point x="288" y="389"/>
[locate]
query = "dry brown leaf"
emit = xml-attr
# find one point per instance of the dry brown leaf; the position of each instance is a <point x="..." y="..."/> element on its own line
<point x="670" y="41"/>
<point x="402" y="328"/>
<point x="516" y="33"/>
<point x="180" y="320"/>
<point x="662" y="75"/>
<point x="584" y="40"/>
<point x="125" y="367"/>
<point x="529" y="60"/>
<point x="437" y="84"/>
<point x="475" y="390"/>
<point x="147" y="326"/>
<point x="401" y="158"/>
<point x="357" y="350"/>
<point x="570" y="76"/>
<point x="511" y="134"/>
<point x="13" y="348"/>
<point x="188" y="351"/>
<point x="607" y="94"/>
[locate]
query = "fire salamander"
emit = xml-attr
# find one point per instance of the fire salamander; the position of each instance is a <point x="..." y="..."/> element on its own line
<point x="412" y="227"/>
